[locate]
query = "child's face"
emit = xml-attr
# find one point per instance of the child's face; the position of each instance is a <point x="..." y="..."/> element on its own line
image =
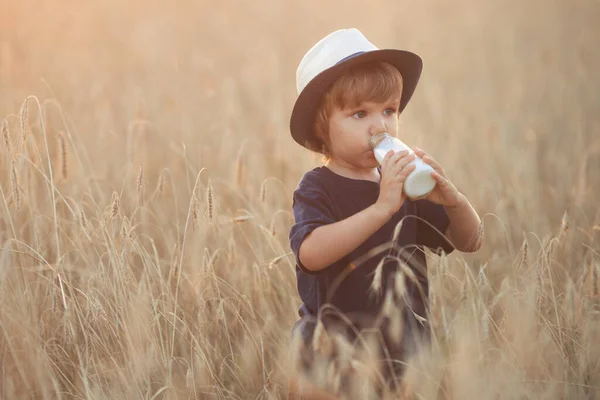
<point x="350" y="130"/>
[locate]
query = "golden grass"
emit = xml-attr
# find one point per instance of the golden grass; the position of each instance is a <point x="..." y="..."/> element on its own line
<point x="146" y="174"/>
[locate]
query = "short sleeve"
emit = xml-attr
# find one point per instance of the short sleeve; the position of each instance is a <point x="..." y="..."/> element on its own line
<point x="431" y="226"/>
<point x="312" y="208"/>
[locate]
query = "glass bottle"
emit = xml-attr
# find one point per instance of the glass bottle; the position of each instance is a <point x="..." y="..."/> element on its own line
<point x="420" y="182"/>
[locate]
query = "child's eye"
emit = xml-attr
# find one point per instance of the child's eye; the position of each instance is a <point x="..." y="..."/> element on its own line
<point x="359" y="114"/>
<point x="390" y="111"/>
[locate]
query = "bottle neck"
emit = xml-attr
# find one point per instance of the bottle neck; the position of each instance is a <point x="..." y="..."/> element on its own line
<point x="376" y="139"/>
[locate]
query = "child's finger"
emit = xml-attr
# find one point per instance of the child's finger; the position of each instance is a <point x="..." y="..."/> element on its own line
<point x="423" y="154"/>
<point x="439" y="178"/>
<point x="386" y="159"/>
<point x="404" y="172"/>
<point x="429" y="160"/>
<point x="420" y="152"/>
<point x="434" y="164"/>
<point x="396" y="157"/>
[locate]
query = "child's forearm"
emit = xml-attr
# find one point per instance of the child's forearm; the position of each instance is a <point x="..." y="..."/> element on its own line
<point x="329" y="243"/>
<point x="466" y="229"/>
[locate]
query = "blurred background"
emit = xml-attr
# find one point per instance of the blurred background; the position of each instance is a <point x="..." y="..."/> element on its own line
<point x="507" y="88"/>
<point x="194" y="98"/>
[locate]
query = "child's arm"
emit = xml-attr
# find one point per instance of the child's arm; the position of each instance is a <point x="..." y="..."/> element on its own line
<point x="466" y="230"/>
<point x="329" y="243"/>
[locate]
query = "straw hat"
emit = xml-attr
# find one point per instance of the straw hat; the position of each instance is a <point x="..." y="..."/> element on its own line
<point x="326" y="61"/>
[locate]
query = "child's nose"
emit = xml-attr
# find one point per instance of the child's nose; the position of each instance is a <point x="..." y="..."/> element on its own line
<point x="378" y="126"/>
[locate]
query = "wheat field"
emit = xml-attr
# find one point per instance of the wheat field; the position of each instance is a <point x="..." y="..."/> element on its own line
<point x="146" y="178"/>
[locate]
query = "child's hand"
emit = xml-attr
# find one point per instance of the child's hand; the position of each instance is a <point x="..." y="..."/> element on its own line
<point x="394" y="170"/>
<point x="444" y="193"/>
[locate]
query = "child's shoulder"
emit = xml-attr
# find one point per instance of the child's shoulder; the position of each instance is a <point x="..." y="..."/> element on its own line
<point x="316" y="177"/>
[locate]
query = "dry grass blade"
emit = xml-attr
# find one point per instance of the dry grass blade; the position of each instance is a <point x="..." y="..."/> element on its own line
<point x="242" y="218"/>
<point x="595" y="268"/>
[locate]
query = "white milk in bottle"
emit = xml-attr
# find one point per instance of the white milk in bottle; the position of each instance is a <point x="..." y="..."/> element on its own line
<point x="420" y="182"/>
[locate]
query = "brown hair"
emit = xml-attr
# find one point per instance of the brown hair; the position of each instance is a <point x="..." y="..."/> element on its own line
<point x="372" y="82"/>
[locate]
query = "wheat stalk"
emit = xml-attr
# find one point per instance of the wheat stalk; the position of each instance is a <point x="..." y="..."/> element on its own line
<point x="389" y="304"/>
<point x="396" y="321"/>
<point x="323" y="343"/>
<point x="160" y="186"/>
<point x="195" y="209"/>
<point x="5" y="134"/>
<point x="173" y="270"/>
<point x="114" y="209"/>
<point x="39" y="244"/>
<point x="189" y="378"/>
<point x="263" y="191"/>
<point x="277" y="259"/>
<point x="272" y="226"/>
<point x="397" y="230"/>
<point x="239" y="170"/>
<point x="83" y="219"/>
<point x="16" y="188"/>
<point x="524" y="252"/>
<point x="54" y="295"/>
<point x="209" y="201"/>
<point x="62" y="145"/>
<point x="24" y="119"/>
<point x="564" y="224"/>
<point x="242" y="218"/>
<point x="140" y="184"/>
<point x="400" y="285"/>
<point x="595" y="267"/>
<point x="377" y="283"/>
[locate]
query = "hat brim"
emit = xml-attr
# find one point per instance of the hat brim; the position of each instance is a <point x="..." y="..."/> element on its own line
<point x="302" y="119"/>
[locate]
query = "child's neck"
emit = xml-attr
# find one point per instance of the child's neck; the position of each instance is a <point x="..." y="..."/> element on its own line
<point x="367" y="174"/>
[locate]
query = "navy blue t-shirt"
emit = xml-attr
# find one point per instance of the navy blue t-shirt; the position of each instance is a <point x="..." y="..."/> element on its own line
<point x="323" y="197"/>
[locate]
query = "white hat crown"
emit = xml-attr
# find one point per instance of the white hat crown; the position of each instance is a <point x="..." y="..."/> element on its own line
<point x="329" y="51"/>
